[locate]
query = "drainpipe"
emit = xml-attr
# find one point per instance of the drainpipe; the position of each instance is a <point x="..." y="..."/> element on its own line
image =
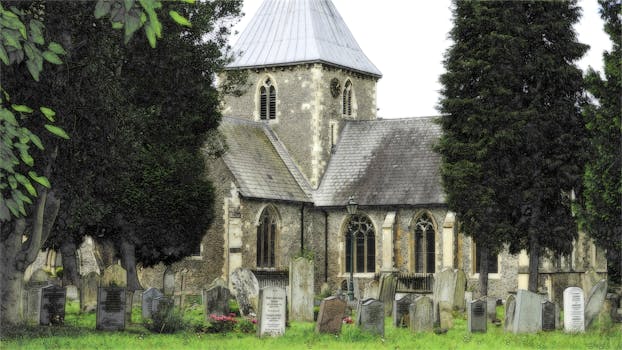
<point x="302" y="229"/>
<point x="325" y="246"/>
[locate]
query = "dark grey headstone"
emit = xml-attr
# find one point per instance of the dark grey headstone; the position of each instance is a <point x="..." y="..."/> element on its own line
<point x="216" y="300"/>
<point x="358" y="309"/>
<point x="147" y="301"/>
<point x="52" y="305"/>
<point x="510" y="307"/>
<point x="400" y="310"/>
<point x="272" y="311"/>
<point x="595" y="301"/>
<point x="421" y="315"/>
<point x="330" y="317"/>
<point x="476" y="315"/>
<point x="548" y="316"/>
<point x="110" y="308"/>
<point x="372" y="317"/>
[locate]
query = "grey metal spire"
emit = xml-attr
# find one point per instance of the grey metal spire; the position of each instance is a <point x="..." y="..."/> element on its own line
<point x="286" y="32"/>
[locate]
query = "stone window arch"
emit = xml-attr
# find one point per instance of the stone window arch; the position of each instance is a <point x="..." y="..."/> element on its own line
<point x="424" y="244"/>
<point x="267" y="232"/>
<point x="347" y="98"/>
<point x="267" y="99"/>
<point x="360" y="229"/>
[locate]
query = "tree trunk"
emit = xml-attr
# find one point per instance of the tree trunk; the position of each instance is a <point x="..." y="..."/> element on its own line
<point x="128" y="261"/>
<point x="11" y="282"/>
<point x="534" y="262"/>
<point x="483" y="270"/>
<point x="70" y="263"/>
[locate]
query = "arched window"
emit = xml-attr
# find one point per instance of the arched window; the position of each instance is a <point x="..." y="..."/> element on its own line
<point x="267" y="100"/>
<point x="347" y="98"/>
<point x="361" y="230"/>
<point x="425" y="257"/>
<point x="266" y="238"/>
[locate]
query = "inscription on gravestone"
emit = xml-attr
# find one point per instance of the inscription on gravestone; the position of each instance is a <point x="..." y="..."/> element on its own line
<point x="574" y="317"/>
<point x="110" y="308"/>
<point x="272" y="308"/>
<point x="52" y="305"/>
<point x="548" y="316"/>
<point x="330" y="317"/>
<point x="372" y="317"/>
<point x="476" y="315"/>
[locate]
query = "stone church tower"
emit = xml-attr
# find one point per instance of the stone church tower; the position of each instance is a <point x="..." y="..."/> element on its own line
<point x="306" y="75"/>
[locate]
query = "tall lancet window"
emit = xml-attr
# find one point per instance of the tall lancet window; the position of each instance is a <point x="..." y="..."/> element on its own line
<point x="266" y="238"/>
<point x="425" y="256"/>
<point x="361" y="230"/>
<point x="347" y="98"/>
<point x="267" y="100"/>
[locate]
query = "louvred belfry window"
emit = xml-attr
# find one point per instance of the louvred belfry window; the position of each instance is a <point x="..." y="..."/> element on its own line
<point x="347" y="98"/>
<point x="267" y="100"/>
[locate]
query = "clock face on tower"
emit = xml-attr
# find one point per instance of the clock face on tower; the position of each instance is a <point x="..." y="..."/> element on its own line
<point x="335" y="87"/>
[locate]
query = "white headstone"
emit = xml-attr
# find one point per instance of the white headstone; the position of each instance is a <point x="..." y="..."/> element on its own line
<point x="272" y="309"/>
<point x="574" y="312"/>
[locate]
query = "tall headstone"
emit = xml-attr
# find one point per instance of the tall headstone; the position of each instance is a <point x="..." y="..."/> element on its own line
<point x="301" y="288"/>
<point x="476" y="315"/>
<point x="527" y="315"/>
<point x="401" y="306"/>
<point x="574" y="310"/>
<point x="168" y="282"/>
<point x="548" y="316"/>
<point x="110" y="308"/>
<point x="246" y="290"/>
<point x="491" y="308"/>
<point x="216" y="300"/>
<point x="459" y="289"/>
<point x="272" y="309"/>
<point x="595" y="301"/>
<point x="147" y="301"/>
<point x="114" y="276"/>
<point x="421" y="315"/>
<point x="449" y="286"/>
<point x="330" y="317"/>
<point x="88" y="292"/>
<point x="52" y="305"/>
<point x="510" y="307"/>
<point x="372" y="317"/>
<point x="445" y="316"/>
<point x="388" y="284"/>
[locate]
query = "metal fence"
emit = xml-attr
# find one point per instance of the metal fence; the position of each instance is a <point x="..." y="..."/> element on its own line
<point x="415" y="282"/>
<point x="272" y="278"/>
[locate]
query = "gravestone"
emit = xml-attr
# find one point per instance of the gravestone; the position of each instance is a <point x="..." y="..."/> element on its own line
<point x="459" y="289"/>
<point x="358" y="309"/>
<point x="330" y="317"/>
<point x="147" y="301"/>
<point x="528" y="312"/>
<point x="595" y="300"/>
<point x="371" y="290"/>
<point x="72" y="292"/>
<point x="38" y="279"/>
<point x="421" y="315"/>
<point x="574" y="310"/>
<point x="114" y="276"/>
<point x="52" y="305"/>
<point x="491" y="309"/>
<point x="301" y="290"/>
<point x="445" y="316"/>
<point x="246" y="289"/>
<point x="549" y="314"/>
<point x="468" y="297"/>
<point x="388" y="284"/>
<point x="476" y="315"/>
<point x="216" y="300"/>
<point x="401" y="310"/>
<point x="449" y="286"/>
<point x="161" y="304"/>
<point x="372" y="317"/>
<point x="33" y="304"/>
<point x="510" y="307"/>
<point x="272" y="309"/>
<point x="110" y="309"/>
<point x="168" y="282"/>
<point x="88" y="292"/>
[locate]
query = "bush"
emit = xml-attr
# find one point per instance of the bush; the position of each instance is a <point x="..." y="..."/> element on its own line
<point x="221" y="323"/>
<point x="247" y="325"/>
<point x="166" y="320"/>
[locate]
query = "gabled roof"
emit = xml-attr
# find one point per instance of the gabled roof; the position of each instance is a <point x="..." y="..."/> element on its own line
<point x="261" y="166"/>
<point x="285" y="32"/>
<point x="384" y="162"/>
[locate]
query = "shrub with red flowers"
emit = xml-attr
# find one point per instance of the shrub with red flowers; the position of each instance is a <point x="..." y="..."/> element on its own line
<point x="247" y="325"/>
<point x="348" y="320"/>
<point x="221" y="323"/>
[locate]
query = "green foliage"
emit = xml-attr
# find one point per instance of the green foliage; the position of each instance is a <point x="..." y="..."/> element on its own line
<point x="166" y="320"/>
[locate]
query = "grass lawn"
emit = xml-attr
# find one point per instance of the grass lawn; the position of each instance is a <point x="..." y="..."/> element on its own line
<point x="79" y="333"/>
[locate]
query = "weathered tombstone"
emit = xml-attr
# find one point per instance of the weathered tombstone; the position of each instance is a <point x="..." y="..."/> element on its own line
<point x="446" y="317"/>
<point x="161" y="304"/>
<point x="510" y="307"/>
<point x="33" y="305"/>
<point x="449" y="286"/>
<point x="110" y="309"/>
<point x="459" y="289"/>
<point x="52" y="305"/>
<point x="527" y="314"/>
<point x="358" y="309"/>
<point x="401" y="310"/>
<point x="421" y="315"/>
<point x="468" y="297"/>
<point x="272" y="309"/>
<point x="114" y="276"/>
<point x="388" y="284"/>
<point x="72" y="292"/>
<point x="38" y="279"/>
<point x="168" y="282"/>
<point x="595" y="301"/>
<point x="371" y="290"/>
<point x="372" y="317"/>
<point x="476" y="315"/>
<point x="548" y="316"/>
<point x="88" y="292"/>
<point x="330" y="317"/>
<point x="246" y="289"/>
<point x="301" y="289"/>
<point x="491" y="308"/>
<point x="574" y="310"/>
<point x="147" y="301"/>
<point x="216" y="300"/>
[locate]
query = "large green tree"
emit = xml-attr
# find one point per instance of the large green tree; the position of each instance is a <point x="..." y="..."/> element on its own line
<point x="513" y="136"/>
<point x="603" y="173"/>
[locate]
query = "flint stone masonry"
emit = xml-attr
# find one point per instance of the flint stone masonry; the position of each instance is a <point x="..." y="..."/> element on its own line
<point x="246" y="290"/>
<point x="476" y="315"/>
<point x="574" y="310"/>
<point x="110" y="309"/>
<point x="301" y="290"/>
<point x="330" y="317"/>
<point x="595" y="300"/>
<point x="147" y="301"/>
<point x="528" y="312"/>
<point x="272" y="310"/>
<point x="372" y="317"/>
<point x="52" y="305"/>
<point x="421" y="315"/>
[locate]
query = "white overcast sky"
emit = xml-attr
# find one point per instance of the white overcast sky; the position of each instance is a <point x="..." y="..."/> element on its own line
<point x="407" y="39"/>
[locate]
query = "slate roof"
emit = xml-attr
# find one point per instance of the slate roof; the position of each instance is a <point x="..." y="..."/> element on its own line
<point x="384" y="162"/>
<point x="260" y="164"/>
<point x="285" y="32"/>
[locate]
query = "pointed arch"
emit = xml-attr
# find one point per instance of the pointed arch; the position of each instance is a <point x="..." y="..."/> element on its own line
<point x="424" y="236"/>
<point x="267" y="94"/>
<point x="267" y="234"/>
<point x="347" y="98"/>
<point x="360" y="229"/>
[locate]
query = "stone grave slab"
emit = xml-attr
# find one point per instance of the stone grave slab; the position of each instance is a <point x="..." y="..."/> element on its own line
<point x="595" y="301"/>
<point x="421" y="315"/>
<point x="246" y="290"/>
<point x="272" y="310"/>
<point x="372" y="317"/>
<point x="527" y="313"/>
<point x="371" y="290"/>
<point x="491" y="309"/>
<point x="72" y="292"/>
<point x="358" y="309"/>
<point x="301" y="286"/>
<point x="168" y="282"/>
<point x="88" y="292"/>
<point x="33" y="305"/>
<point x="330" y="317"/>
<point x="574" y="310"/>
<point x="216" y="301"/>
<point x="459" y="289"/>
<point x="477" y="315"/>
<point x="111" y="308"/>
<point x="548" y="316"/>
<point x="388" y="284"/>
<point x="401" y="311"/>
<point x="147" y="301"/>
<point x="52" y="305"/>
<point x="446" y="317"/>
<point x="510" y="308"/>
<point x="449" y="286"/>
<point x="114" y="276"/>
